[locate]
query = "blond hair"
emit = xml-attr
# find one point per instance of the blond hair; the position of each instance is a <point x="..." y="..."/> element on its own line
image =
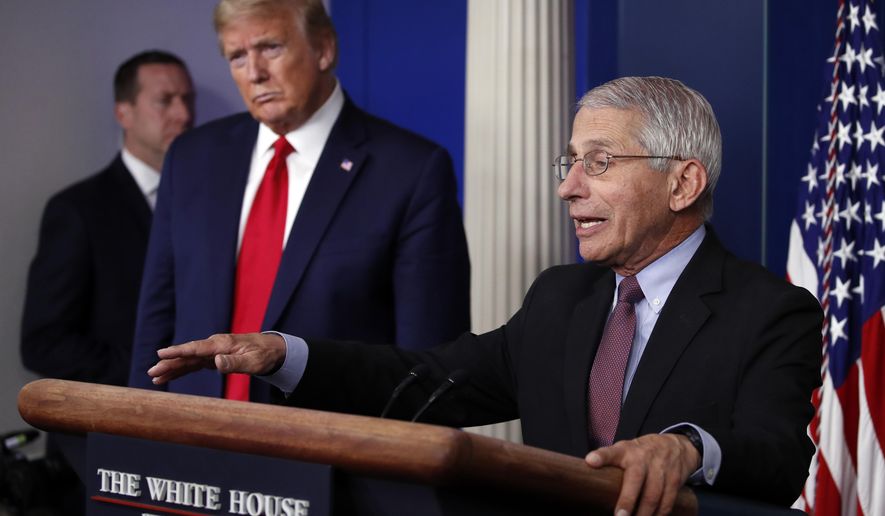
<point x="309" y="15"/>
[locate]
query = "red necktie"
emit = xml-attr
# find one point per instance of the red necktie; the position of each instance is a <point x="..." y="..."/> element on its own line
<point x="260" y="254"/>
<point x="610" y="365"/>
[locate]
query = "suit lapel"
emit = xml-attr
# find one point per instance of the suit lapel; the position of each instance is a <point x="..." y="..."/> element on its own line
<point x="585" y="331"/>
<point x="130" y="196"/>
<point x="339" y="164"/>
<point x="228" y="172"/>
<point x="677" y="325"/>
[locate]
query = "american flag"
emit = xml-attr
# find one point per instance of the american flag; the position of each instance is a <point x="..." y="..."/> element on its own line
<point x="837" y="251"/>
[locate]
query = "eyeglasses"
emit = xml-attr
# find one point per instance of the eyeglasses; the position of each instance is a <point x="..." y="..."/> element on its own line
<point x="594" y="163"/>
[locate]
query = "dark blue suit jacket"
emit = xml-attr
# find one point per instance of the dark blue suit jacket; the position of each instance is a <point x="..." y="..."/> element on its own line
<point x="375" y="253"/>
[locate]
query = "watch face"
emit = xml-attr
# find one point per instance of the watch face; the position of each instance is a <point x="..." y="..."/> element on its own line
<point x="693" y="437"/>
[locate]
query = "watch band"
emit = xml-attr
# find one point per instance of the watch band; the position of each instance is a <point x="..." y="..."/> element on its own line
<point x="693" y="437"/>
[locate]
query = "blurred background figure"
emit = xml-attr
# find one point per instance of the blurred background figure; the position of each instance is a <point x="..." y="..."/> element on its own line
<point x="79" y="315"/>
<point x="82" y="290"/>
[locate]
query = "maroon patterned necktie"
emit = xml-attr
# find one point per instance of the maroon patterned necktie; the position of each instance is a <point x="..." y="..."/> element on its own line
<point x="610" y="364"/>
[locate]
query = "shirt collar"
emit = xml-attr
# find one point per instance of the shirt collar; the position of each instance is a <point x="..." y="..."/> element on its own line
<point x="658" y="278"/>
<point x="309" y="139"/>
<point x="144" y="175"/>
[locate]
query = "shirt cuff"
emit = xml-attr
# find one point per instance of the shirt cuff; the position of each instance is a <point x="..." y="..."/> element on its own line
<point x="287" y="377"/>
<point x="711" y="459"/>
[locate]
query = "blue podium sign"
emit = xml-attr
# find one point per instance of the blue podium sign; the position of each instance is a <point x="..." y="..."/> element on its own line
<point x="127" y="476"/>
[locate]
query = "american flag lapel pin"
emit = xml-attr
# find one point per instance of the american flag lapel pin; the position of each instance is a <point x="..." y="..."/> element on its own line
<point x="346" y="165"/>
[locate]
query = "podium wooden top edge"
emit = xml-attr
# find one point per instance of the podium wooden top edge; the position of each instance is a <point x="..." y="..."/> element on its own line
<point x="415" y="452"/>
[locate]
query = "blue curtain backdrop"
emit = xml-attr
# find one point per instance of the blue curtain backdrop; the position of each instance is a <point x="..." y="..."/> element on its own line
<point x="759" y="62"/>
<point x="405" y="61"/>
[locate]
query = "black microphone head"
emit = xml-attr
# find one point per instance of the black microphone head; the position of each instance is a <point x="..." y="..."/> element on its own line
<point x="14" y="440"/>
<point x="455" y="379"/>
<point x="458" y="376"/>
<point x="415" y="374"/>
<point x="419" y="370"/>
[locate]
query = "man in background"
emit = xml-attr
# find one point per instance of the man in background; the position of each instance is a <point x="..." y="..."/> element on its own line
<point x="305" y="215"/>
<point x="82" y="290"/>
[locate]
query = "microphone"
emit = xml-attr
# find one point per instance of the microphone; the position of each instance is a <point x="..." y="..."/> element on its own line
<point x="415" y="374"/>
<point x="16" y="439"/>
<point x="456" y="379"/>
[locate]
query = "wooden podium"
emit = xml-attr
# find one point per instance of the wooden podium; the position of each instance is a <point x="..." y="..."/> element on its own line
<point x="488" y="473"/>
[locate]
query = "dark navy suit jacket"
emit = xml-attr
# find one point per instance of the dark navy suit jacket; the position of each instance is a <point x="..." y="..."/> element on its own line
<point x="376" y="252"/>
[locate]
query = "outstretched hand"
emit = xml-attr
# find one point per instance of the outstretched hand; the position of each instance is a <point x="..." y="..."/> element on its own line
<point x="248" y="353"/>
<point x="655" y="467"/>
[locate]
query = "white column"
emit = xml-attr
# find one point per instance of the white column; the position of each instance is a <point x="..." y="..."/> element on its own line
<point x="520" y="101"/>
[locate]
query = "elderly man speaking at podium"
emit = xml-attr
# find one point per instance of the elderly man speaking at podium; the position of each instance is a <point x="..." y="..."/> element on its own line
<point x="664" y="355"/>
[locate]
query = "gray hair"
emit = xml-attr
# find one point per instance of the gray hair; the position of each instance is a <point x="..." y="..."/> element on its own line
<point x="310" y="15"/>
<point x="677" y="120"/>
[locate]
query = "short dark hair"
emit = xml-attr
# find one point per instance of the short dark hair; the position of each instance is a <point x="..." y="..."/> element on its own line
<point x="126" y="78"/>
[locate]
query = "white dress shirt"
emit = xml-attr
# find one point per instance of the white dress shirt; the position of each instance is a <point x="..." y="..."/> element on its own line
<point x="309" y="140"/>
<point x="144" y="175"/>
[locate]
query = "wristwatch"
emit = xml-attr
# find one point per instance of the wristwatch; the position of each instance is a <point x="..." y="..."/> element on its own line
<point x="693" y="437"/>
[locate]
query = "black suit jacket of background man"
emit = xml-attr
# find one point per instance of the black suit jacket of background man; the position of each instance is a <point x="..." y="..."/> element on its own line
<point x="82" y="293"/>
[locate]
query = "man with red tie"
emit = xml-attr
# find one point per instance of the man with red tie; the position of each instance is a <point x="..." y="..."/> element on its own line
<point x="306" y="215"/>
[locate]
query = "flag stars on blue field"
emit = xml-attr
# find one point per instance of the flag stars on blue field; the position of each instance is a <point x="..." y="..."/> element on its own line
<point x="845" y="253"/>
<point x="863" y="99"/>
<point x="808" y="216"/>
<point x="855" y="212"/>
<point x="858" y="132"/>
<point x="843" y="138"/>
<point x="864" y="58"/>
<point x="879" y="99"/>
<point x="869" y="20"/>
<point x="871" y="176"/>
<point x="822" y="215"/>
<point x="847" y="96"/>
<point x="874" y="136"/>
<point x="840" y="292"/>
<point x="859" y="289"/>
<point x="855" y="173"/>
<point x="853" y="13"/>
<point x="837" y="329"/>
<point x="848" y="57"/>
<point x="840" y="175"/>
<point x="810" y="177"/>
<point x="877" y="253"/>
<point x="881" y="216"/>
<point x="849" y="214"/>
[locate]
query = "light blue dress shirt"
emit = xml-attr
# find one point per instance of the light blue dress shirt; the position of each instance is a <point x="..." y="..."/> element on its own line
<point x="656" y="281"/>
